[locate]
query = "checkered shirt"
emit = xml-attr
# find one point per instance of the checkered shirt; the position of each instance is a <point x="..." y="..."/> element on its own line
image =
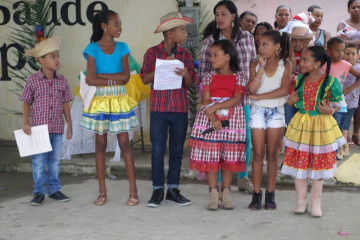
<point x="245" y="47"/>
<point x="46" y="97"/>
<point x="175" y="100"/>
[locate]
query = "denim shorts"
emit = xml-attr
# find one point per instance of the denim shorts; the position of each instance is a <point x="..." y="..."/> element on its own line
<point x="264" y="117"/>
<point x="348" y="117"/>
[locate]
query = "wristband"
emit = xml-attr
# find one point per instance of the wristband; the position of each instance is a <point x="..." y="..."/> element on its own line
<point x="262" y="66"/>
<point x="256" y="79"/>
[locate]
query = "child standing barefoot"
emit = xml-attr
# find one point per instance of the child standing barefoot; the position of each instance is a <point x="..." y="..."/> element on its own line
<point x="313" y="135"/>
<point x="269" y="86"/>
<point x="111" y="109"/>
<point x="223" y="148"/>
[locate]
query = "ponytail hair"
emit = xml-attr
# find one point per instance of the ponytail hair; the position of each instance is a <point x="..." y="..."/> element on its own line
<point x="319" y="54"/>
<point x="283" y="39"/>
<point x="101" y="17"/>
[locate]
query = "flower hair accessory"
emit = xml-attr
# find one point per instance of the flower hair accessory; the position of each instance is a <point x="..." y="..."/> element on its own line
<point x="39" y="34"/>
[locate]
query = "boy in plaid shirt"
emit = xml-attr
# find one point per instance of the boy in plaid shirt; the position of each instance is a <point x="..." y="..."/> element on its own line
<point x="168" y="109"/>
<point x="46" y="97"/>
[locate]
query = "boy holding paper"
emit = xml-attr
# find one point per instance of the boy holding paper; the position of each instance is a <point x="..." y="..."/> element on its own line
<point x="168" y="108"/>
<point x="46" y="97"/>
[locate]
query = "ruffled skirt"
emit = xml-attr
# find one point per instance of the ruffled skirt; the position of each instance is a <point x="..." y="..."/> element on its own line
<point x="311" y="143"/>
<point x="111" y="110"/>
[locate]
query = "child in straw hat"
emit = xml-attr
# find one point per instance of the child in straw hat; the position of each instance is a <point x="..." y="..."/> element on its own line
<point x="168" y="108"/>
<point x="46" y="97"/>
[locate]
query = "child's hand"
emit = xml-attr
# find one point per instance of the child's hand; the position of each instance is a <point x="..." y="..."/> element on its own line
<point x="323" y="108"/>
<point x="69" y="132"/>
<point x="210" y="110"/>
<point x="216" y="124"/>
<point x="27" y="129"/>
<point x="262" y="60"/>
<point x="294" y="98"/>
<point x="182" y="72"/>
<point x="254" y="96"/>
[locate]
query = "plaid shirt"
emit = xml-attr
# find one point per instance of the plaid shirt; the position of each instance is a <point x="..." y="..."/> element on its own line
<point x="46" y="97"/>
<point x="174" y="100"/>
<point x="245" y="47"/>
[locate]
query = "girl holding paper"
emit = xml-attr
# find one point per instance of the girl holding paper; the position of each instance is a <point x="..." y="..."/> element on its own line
<point x="111" y="110"/>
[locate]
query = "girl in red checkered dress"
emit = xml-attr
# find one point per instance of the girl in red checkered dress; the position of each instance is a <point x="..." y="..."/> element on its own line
<point x="223" y="148"/>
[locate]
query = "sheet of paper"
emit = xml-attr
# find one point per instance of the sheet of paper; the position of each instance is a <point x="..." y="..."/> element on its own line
<point x="37" y="142"/>
<point x="165" y="76"/>
<point x="86" y="92"/>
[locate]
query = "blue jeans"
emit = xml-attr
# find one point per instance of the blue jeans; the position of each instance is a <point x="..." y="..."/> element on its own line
<point x="51" y="160"/>
<point x="289" y="113"/>
<point x="162" y="124"/>
<point x="348" y="117"/>
<point x="340" y="117"/>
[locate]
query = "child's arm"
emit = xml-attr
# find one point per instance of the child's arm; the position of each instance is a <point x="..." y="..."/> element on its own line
<point x="216" y="124"/>
<point x="347" y="90"/>
<point x="91" y="77"/>
<point x="26" y="119"/>
<point x="120" y="78"/>
<point x="67" y="115"/>
<point x="232" y="102"/>
<point x="294" y="98"/>
<point x="354" y="72"/>
<point x="255" y="77"/>
<point x="284" y="88"/>
<point x="186" y="75"/>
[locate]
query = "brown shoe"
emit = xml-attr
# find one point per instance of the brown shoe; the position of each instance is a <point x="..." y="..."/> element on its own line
<point x="226" y="198"/>
<point x="214" y="199"/>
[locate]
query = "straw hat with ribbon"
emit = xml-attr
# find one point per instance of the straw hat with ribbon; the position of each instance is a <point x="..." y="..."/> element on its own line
<point x="171" y="20"/>
<point x="44" y="47"/>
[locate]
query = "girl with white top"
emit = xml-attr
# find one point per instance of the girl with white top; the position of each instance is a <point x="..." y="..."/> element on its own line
<point x="269" y="86"/>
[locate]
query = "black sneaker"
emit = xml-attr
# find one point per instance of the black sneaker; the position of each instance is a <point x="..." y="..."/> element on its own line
<point x="156" y="198"/>
<point x="256" y="201"/>
<point x="59" y="196"/>
<point x="173" y="195"/>
<point x="37" y="200"/>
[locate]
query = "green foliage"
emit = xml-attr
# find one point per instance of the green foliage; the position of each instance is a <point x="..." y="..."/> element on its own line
<point x="36" y="12"/>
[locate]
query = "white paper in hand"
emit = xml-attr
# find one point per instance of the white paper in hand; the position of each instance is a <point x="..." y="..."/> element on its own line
<point x="86" y="92"/>
<point x="37" y="142"/>
<point x="165" y="77"/>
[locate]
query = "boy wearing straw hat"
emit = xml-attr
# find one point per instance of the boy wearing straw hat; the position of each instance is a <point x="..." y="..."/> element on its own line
<point x="46" y="97"/>
<point x="168" y="109"/>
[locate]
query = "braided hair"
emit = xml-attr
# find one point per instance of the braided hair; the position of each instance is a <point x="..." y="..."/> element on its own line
<point x="101" y="17"/>
<point x="319" y="54"/>
<point x="283" y="39"/>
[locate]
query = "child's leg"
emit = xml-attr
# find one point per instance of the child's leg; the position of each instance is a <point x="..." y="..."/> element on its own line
<point x="100" y="148"/>
<point x="213" y="190"/>
<point x="212" y="179"/>
<point x="273" y="137"/>
<point x="53" y="162"/>
<point x="355" y="136"/>
<point x="258" y="142"/>
<point x="225" y="189"/>
<point x="38" y="170"/>
<point x="125" y="146"/>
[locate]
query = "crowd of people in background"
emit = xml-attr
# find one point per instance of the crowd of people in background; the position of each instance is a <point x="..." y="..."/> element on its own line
<point x="261" y="85"/>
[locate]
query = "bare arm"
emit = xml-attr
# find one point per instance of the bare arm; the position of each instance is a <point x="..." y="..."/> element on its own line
<point x="26" y="118"/>
<point x="354" y="72"/>
<point x="148" y="78"/>
<point x="67" y="115"/>
<point x="327" y="37"/>
<point x="255" y="77"/>
<point x="284" y="88"/>
<point x="120" y="78"/>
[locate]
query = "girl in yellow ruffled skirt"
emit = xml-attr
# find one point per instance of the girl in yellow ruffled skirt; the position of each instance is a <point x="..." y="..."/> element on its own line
<point x="313" y="135"/>
<point x="111" y="109"/>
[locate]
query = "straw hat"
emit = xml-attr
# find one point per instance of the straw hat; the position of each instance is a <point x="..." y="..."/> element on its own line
<point x="301" y="32"/>
<point x="44" y="47"/>
<point x="171" y="20"/>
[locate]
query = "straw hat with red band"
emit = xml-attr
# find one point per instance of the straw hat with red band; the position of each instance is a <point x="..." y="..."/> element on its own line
<point x="171" y="20"/>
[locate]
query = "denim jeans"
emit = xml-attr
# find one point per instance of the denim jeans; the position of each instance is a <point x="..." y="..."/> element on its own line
<point x="348" y="117"/>
<point x="340" y="117"/>
<point x="289" y="113"/>
<point x="162" y="124"/>
<point x="50" y="160"/>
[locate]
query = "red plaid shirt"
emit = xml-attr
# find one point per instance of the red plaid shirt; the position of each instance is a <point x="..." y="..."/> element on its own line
<point x="46" y="97"/>
<point x="174" y="100"/>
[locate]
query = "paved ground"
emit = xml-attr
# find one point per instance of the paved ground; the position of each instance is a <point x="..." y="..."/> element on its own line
<point x="81" y="219"/>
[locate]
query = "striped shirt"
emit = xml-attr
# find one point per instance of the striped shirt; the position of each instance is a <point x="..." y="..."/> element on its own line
<point x="246" y="50"/>
<point x="174" y="100"/>
<point x="46" y="97"/>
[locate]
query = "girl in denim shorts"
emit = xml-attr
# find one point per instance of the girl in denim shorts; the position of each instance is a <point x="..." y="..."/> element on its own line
<point x="269" y="86"/>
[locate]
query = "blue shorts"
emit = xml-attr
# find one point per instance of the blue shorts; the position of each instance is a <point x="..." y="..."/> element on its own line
<point x="264" y="117"/>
